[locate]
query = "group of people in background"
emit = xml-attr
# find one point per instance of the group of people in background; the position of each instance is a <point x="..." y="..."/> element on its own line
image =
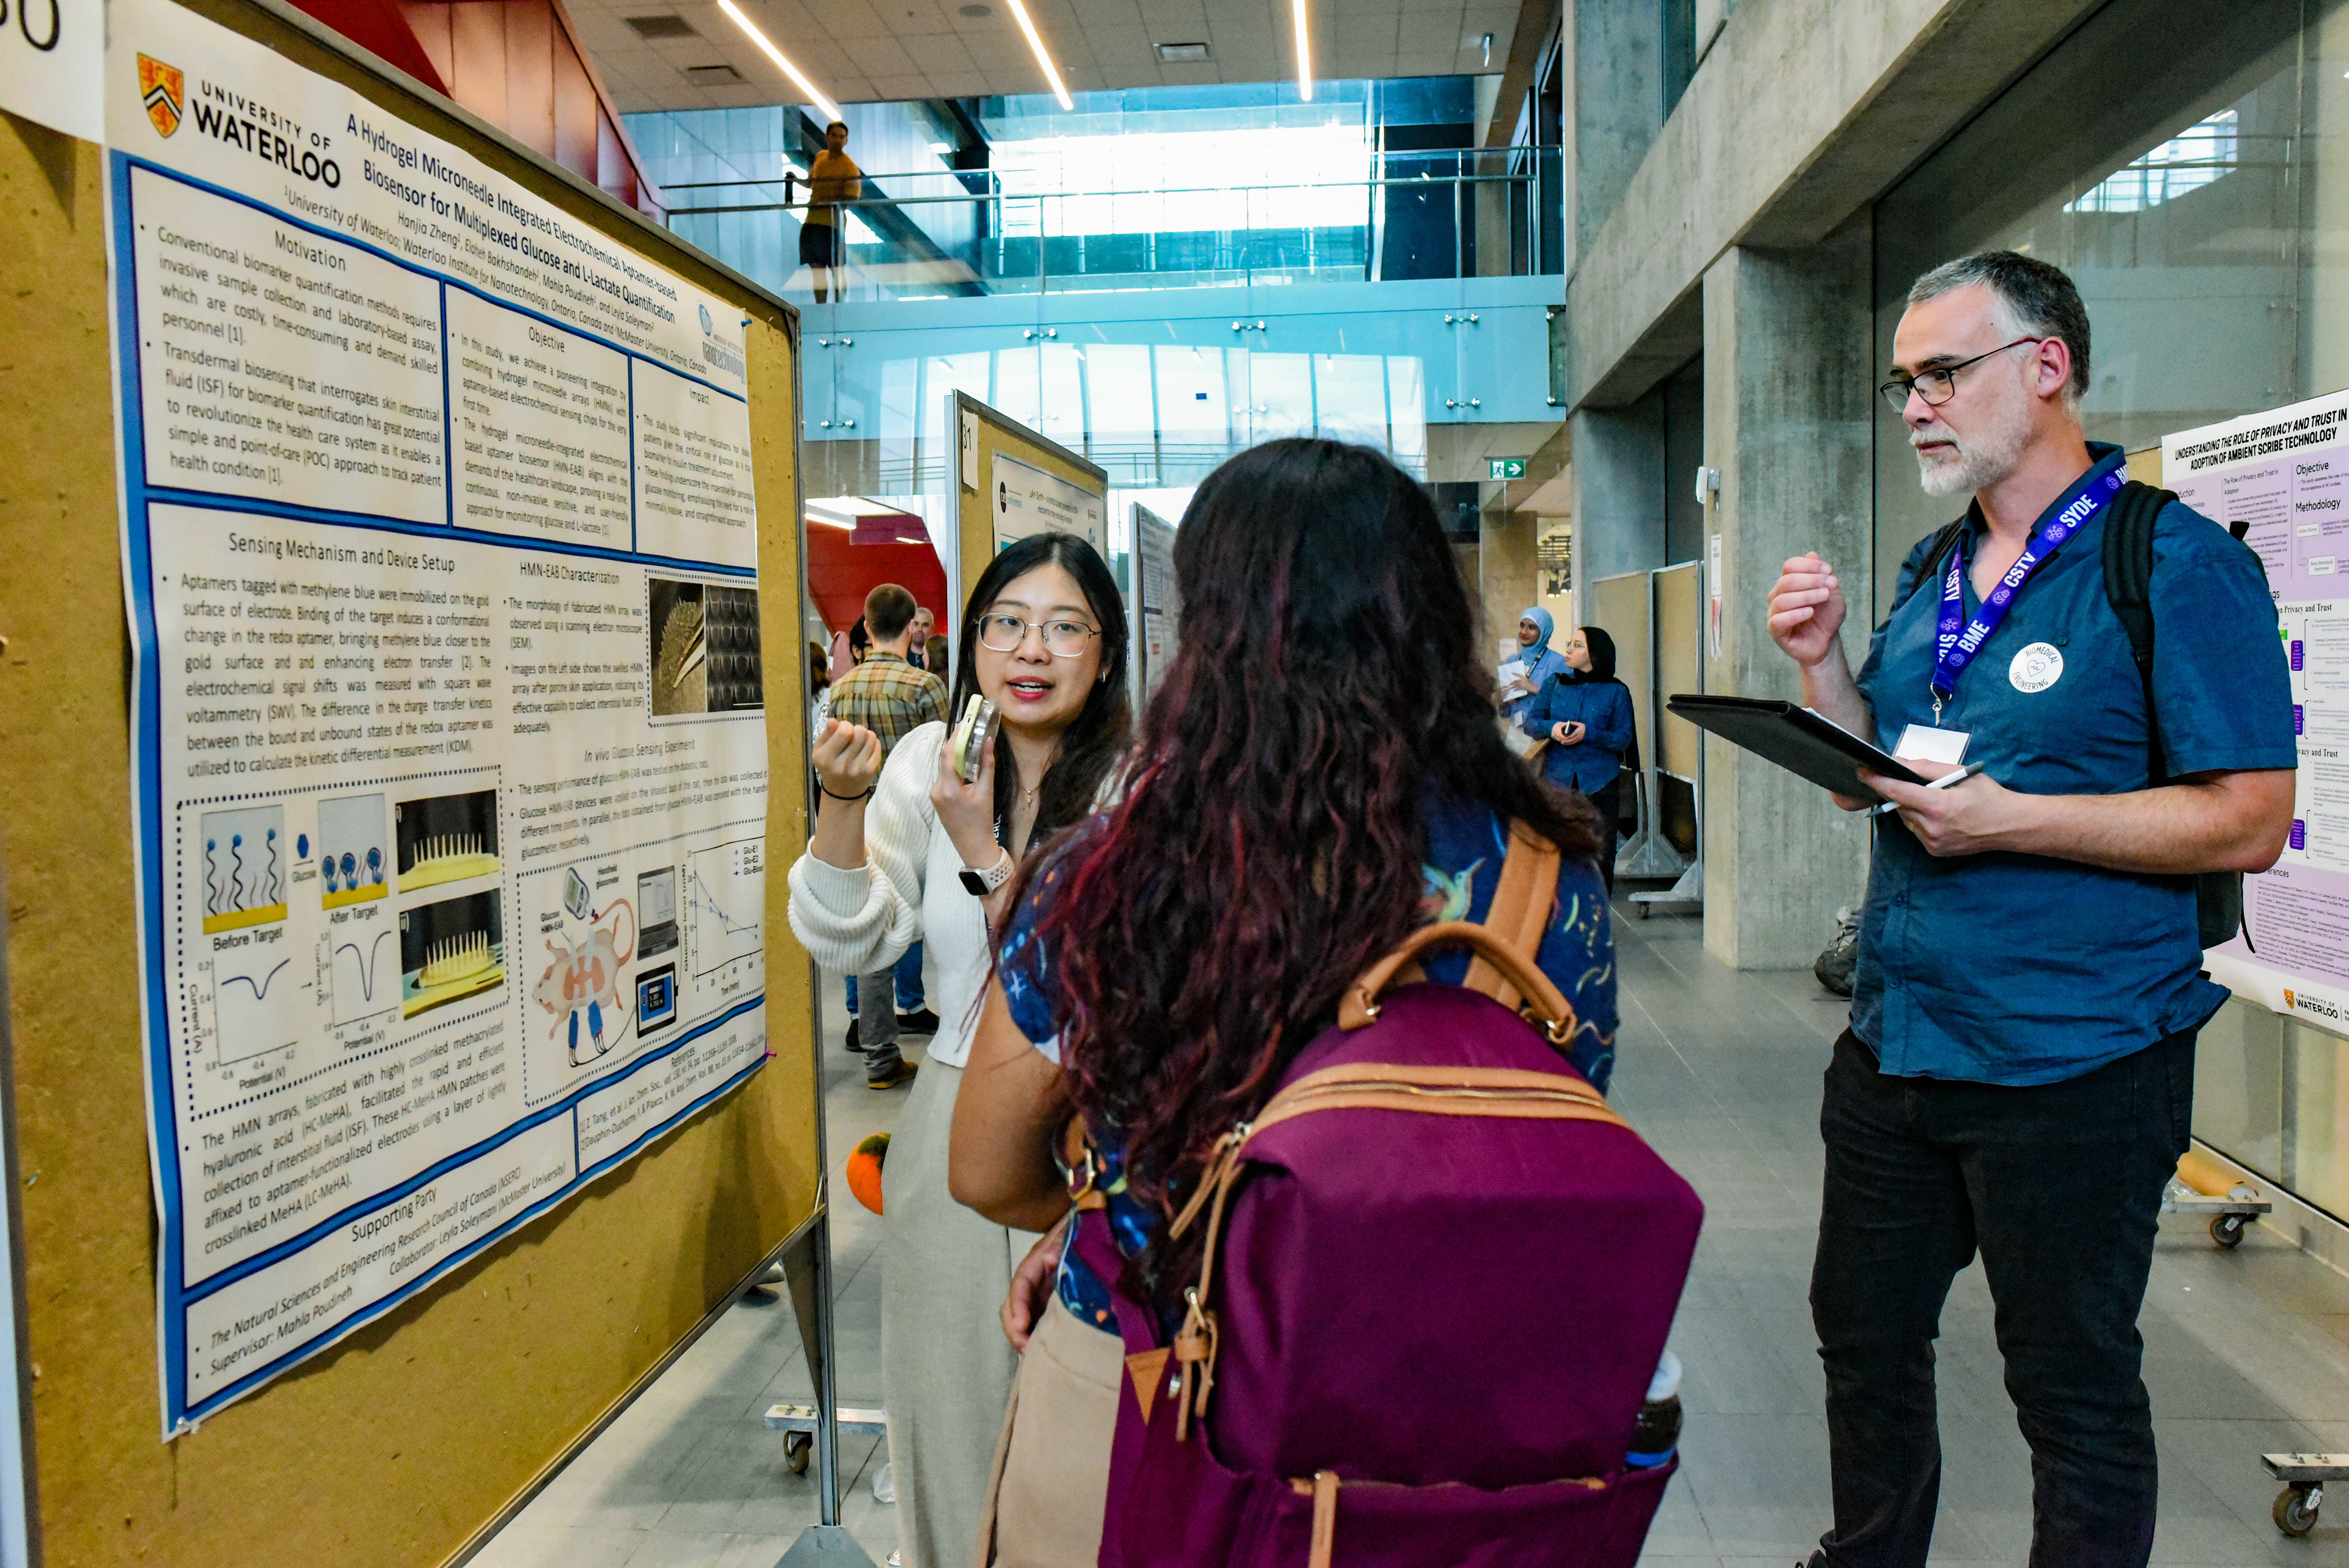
<point x="1579" y="716"/>
<point x="1139" y="926"/>
<point x="892" y="684"/>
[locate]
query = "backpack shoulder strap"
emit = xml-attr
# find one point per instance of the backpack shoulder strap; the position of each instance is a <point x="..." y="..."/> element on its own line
<point x="2128" y="588"/>
<point x="2129" y="564"/>
<point x="1929" y="556"/>
<point x="1522" y="902"/>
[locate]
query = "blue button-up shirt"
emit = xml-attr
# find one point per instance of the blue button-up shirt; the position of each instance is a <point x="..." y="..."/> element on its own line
<point x="2019" y="969"/>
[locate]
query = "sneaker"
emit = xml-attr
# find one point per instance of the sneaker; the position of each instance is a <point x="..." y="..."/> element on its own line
<point x="902" y="1073"/>
<point x="921" y="1023"/>
<point x="884" y="1484"/>
<point x="854" y="1048"/>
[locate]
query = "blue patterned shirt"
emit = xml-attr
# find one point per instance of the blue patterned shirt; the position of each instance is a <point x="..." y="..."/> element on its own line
<point x="1466" y="845"/>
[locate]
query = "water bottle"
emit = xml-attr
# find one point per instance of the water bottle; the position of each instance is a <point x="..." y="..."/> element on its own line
<point x="1658" y="1431"/>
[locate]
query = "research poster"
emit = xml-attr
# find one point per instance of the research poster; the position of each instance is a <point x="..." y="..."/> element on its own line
<point x="1160" y="604"/>
<point x="1030" y="501"/>
<point x="2285" y="475"/>
<point x="440" y="556"/>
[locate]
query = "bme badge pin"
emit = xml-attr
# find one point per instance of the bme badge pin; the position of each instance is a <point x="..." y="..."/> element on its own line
<point x="2036" y="668"/>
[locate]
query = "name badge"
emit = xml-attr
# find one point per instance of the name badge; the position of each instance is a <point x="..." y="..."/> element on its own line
<point x="1923" y="743"/>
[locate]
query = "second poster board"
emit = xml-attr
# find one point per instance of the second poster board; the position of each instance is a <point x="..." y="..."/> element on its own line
<point x="1158" y="602"/>
<point x="2282" y="475"/>
<point x="1010" y="482"/>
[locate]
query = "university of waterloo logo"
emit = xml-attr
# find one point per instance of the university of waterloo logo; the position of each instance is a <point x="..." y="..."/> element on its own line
<point x="164" y="90"/>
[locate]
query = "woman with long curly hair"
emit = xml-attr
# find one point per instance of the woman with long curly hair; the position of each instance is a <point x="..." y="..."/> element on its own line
<point x="1319" y="774"/>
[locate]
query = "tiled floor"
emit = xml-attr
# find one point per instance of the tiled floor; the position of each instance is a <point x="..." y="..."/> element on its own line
<point x="2246" y="1352"/>
<point x="689" y="1476"/>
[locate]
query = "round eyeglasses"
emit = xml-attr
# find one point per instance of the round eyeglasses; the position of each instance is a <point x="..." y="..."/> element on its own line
<point x="1940" y="384"/>
<point x="1062" y="639"/>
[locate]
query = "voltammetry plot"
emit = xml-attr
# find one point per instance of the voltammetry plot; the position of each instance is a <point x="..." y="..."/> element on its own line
<point x="363" y="972"/>
<point x="254" y="1005"/>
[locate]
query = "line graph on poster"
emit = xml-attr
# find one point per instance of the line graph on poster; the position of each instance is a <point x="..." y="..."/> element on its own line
<point x="361" y="974"/>
<point x="725" y="903"/>
<point x="255" y="1008"/>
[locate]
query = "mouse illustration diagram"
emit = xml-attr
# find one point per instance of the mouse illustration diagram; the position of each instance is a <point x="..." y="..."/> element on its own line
<point x="581" y="989"/>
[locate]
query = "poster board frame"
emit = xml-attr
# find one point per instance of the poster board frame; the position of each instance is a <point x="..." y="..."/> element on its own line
<point x="1623" y="607"/>
<point x="982" y="434"/>
<point x="400" y="1450"/>
<point x="1680" y="665"/>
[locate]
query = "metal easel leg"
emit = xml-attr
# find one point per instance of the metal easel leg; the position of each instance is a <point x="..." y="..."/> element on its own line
<point x="1648" y="853"/>
<point x="826" y="1544"/>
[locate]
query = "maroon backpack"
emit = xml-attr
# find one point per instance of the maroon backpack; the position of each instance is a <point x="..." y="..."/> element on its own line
<point x="1437" y="1278"/>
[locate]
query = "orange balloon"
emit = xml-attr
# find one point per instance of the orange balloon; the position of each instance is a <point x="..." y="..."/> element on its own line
<point x="865" y="1170"/>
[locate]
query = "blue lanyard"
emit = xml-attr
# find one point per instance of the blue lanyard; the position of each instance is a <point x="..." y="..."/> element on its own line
<point x="1956" y="639"/>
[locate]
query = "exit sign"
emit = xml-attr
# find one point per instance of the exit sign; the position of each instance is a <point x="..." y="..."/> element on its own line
<point x="1505" y="468"/>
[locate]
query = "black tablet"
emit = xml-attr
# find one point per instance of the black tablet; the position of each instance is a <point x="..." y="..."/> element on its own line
<point x="1796" y="738"/>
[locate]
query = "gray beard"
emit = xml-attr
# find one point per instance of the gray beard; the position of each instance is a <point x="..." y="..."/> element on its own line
<point x="1982" y="462"/>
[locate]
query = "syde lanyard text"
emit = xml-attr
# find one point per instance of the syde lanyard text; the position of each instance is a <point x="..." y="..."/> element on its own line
<point x="1957" y="639"/>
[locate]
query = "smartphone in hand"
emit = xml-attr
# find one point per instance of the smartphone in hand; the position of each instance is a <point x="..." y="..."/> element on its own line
<point x="971" y="737"/>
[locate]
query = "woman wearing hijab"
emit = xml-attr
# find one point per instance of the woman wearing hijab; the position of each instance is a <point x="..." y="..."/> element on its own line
<point x="1585" y="714"/>
<point x="1535" y="629"/>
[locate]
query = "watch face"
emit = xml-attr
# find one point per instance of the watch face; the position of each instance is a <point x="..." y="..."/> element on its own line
<point x="974" y="883"/>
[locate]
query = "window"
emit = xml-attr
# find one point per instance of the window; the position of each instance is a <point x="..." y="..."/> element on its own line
<point x="2193" y="157"/>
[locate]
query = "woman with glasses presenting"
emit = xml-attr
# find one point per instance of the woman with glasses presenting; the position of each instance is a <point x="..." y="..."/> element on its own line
<point x="913" y="853"/>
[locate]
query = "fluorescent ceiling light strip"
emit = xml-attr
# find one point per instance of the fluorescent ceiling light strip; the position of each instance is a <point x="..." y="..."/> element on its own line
<point x="1304" y="50"/>
<point x="1035" y="42"/>
<point x="830" y="110"/>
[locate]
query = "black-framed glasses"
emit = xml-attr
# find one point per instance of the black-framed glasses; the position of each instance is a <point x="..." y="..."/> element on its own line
<point x="1939" y="385"/>
<point x="1062" y="639"/>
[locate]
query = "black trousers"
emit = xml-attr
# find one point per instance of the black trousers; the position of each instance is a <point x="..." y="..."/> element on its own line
<point x="2058" y="1186"/>
<point x="1607" y="801"/>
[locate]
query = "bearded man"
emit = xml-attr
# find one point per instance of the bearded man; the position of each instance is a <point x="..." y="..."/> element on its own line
<point x="2017" y="1078"/>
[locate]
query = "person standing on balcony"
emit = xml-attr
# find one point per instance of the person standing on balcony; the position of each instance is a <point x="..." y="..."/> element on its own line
<point x="833" y="178"/>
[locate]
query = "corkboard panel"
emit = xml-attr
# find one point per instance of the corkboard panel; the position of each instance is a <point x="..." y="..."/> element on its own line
<point x="395" y="1447"/>
<point x="974" y="514"/>
<point x="1620" y="607"/>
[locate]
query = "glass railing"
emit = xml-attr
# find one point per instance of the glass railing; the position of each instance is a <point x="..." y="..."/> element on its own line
<point x="1465" y="213"/>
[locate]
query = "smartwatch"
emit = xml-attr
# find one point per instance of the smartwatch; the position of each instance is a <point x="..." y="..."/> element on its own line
<point x="981" y="883"/>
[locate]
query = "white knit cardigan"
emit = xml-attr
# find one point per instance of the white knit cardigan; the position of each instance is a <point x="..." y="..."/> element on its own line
<point x="861" y="921"/>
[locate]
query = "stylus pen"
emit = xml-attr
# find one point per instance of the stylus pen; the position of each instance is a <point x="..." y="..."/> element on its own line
<point x="1943" y="782"/>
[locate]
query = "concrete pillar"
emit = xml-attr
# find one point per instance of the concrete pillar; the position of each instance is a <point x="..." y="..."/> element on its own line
<point x="1508" y="578"/>
<point x="1788" y="415"/>
<point x="1615" y="108"/>
<point x="1618" y="494"/>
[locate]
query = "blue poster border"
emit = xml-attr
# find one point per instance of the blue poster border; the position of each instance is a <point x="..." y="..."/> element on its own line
<point x="175" y="1295"/>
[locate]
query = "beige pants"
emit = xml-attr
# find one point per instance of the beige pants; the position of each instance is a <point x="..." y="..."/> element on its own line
<point x="1052" y="1466"/>
<point x="945" y="1370"/>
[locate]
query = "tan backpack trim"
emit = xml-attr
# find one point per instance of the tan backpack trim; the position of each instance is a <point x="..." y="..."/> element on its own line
<point x="1522" y="904"/>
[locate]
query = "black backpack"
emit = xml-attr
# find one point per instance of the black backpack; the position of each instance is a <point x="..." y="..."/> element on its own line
<point x="2129" y="577"/>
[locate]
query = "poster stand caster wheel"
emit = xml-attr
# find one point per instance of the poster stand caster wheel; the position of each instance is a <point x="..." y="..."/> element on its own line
<point x="2295" y="1509"/>
<point x="2227" y="1230"/>
<point x="797" y="1447"/>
